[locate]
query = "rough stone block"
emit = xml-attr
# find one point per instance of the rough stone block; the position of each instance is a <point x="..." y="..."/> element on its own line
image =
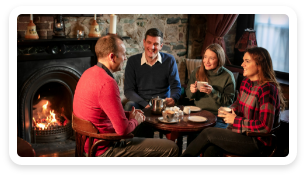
<point x="142" y="24"/>
<point x="171" y="33"/>
<point x="184" y="20"/>
<point x="126" y="20"/>
<point x="156" y="23"/>
<point x="178" y="47"/>
<point x="166" y="48"/>
<point x="173" y="20"/>
<point x="131" y="51"/>
<point x="182" y="53"/>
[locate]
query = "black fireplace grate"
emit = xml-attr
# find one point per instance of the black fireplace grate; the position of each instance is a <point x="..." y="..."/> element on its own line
<point x="51" y="134"/>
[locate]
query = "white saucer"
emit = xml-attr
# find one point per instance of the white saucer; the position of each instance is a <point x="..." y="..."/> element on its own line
<point x="194" y="108"/>
<point x="163" y="121"/>
<point x="197" y="119"/>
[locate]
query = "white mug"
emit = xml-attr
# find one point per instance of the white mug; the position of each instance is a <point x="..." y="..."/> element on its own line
<point x="187" y="110"/>
<point x="200" y="84"/>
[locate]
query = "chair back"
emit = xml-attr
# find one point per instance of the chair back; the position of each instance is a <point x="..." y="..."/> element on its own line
<point x="86" y="130"/>
<point x="192" y="64"/>
<point x="83" y="129"/>
<point x="83" y="126"/>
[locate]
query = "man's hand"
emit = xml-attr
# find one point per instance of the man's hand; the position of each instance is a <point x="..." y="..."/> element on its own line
<point x="169" y="102"/>
<point x="137" y="114"/>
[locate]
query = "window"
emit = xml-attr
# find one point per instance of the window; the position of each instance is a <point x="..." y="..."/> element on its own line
<point x="272" y="33"/>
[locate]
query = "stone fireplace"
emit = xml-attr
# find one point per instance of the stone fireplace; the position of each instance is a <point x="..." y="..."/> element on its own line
<point x="48" y="71"/>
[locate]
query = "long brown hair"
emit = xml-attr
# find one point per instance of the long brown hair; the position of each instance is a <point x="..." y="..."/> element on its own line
<point x="266" y="73"/>
<point x="201" y="75"/>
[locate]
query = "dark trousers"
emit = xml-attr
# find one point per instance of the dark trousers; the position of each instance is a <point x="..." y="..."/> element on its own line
<point x="212" y="142"/>
<point x="144" y="131"/>
<point x="220" y="124"/>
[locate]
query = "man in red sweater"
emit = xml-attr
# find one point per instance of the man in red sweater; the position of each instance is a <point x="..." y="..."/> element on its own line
<point x="97" y="100"/>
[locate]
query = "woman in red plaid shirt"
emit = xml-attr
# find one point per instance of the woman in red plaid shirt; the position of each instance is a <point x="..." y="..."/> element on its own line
<point x="259" y="103"/>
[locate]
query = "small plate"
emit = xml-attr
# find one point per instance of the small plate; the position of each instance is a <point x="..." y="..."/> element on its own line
<point x="194" y="108"/>
<point x="161" y="119"/>
<point x="197" y="119"/>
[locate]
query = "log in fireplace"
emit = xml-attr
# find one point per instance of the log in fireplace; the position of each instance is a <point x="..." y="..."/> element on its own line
<point x="47" y="73"/>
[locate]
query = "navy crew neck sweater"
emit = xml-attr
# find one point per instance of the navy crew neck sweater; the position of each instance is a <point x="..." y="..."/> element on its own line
<point x="143" y="82"/>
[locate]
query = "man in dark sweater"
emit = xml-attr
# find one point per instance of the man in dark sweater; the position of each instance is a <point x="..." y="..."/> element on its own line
<point x="149" y="75"/>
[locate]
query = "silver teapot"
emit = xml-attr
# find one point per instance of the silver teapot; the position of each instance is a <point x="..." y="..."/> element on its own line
<point x="157" y="105"/>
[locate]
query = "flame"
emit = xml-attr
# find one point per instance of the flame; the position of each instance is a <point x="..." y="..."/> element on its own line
<point x="38" y="96"/>
<point x="41" y="125"/>
<point x="45" y="105"/>
<point x="34" y="121"/>
<point x="44" y="117"/>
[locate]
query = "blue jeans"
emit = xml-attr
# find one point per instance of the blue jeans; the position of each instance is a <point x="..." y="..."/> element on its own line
<point x="220" y="123"/>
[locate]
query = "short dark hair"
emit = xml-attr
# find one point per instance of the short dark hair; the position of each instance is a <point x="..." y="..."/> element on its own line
<point x="155" y="32"/>
<point x="106" y="45"/>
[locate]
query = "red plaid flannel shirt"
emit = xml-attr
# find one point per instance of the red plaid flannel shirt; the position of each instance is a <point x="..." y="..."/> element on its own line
<point x="256" y="108"/>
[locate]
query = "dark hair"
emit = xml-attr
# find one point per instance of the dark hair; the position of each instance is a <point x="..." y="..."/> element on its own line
<point x="266" y="74"/>
<point x="106" y="45"/>
<point x="201" y="74"/>
<point x="155" y="33"/>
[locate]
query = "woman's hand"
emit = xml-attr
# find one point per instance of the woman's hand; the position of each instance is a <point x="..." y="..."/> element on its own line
<point x="193" y="87"/>
<point x="137" y="114"/>
<point x="228" y="117"/>
<point x="206" y="89"/>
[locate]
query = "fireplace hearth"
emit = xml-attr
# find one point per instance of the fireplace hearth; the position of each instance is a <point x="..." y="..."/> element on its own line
<point x="47" y="73"/>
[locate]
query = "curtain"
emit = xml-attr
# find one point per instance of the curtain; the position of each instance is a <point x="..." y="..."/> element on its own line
<point x="217" y="27"/>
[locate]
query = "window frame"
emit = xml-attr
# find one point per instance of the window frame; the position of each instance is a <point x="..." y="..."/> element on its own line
<point x="245" y="21"/>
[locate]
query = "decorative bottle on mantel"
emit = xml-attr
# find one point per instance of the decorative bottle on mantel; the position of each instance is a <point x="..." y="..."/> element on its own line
<point x="31" y="30"/>
<point x="94" y="29"/>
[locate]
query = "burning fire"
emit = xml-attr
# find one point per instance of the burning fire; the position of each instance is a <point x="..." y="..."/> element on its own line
<point x="44" y="117"/>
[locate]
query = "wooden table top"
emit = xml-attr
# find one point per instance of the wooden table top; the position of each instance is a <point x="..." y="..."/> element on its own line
<point x="184" y="125"/>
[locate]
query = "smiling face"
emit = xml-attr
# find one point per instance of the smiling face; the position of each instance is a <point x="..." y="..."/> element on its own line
<point x="250" y="68"/>
<point x="152" y="46"/>
<point x="210" y="60"/>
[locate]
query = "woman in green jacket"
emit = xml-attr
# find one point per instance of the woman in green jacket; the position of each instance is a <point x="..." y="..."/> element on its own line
<point x="220" y="88"/>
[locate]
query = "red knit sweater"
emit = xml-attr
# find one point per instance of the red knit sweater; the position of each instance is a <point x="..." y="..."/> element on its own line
<point x="97" y="100"/>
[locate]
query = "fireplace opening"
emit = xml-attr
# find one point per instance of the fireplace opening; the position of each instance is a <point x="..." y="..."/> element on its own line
<point x="51" y="113"/>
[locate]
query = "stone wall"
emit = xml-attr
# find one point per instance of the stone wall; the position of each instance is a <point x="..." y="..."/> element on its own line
<point x="177" y="40"/>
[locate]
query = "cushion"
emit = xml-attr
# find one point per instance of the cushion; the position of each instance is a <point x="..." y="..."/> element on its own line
<point x="191" y="65"/>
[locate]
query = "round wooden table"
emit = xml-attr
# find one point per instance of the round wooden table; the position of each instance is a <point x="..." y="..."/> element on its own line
<point x="176" y="131"/>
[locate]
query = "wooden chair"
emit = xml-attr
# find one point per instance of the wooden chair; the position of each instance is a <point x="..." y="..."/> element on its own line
<point x="85" y="129"/>
<point x="24" y="149"/>
<point x="267" y="152"/>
